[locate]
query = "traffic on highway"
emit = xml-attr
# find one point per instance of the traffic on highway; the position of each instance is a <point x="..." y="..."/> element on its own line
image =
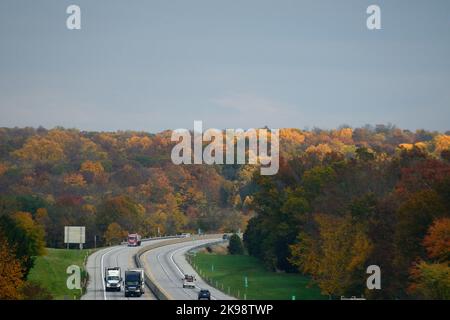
<point x="115" y="275"/>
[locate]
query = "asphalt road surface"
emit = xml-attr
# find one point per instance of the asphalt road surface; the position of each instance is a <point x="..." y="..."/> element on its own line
<point x="167" y="266"/>
<point x="118" y="256"/>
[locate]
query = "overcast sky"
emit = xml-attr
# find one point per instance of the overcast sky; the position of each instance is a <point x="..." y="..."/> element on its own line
<point x="154" y="65"/>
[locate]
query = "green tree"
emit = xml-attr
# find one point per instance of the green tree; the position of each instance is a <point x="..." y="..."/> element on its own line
<point x="26" y="236"/>
<point x="430" y="280"/>
<point x="414" y="217"/>
<point x="235" y="246"/>
<point x="122" y="210"/>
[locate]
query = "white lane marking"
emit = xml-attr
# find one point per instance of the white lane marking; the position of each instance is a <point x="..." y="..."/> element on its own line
<point x="176" y="265"/>
<point x="103" y="271"/>
<point x="162" y="265"/>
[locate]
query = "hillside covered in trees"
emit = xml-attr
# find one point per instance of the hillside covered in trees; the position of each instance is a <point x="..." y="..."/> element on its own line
<point x="357" y="198"/>
<point x="343" y="199"/>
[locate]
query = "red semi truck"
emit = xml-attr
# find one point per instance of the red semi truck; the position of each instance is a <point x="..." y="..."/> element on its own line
<point x="134" y="240"/>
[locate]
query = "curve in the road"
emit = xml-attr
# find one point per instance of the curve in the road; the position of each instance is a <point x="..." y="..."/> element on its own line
<point x="166" y="266"/>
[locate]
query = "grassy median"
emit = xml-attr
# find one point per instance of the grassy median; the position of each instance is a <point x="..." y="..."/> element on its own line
<point x="50" y="271"/>
<point x="228" y="272"/>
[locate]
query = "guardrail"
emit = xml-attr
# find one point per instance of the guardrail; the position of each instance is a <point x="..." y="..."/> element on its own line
<point x="149" y="281"/>
<point x="157" y="238"/>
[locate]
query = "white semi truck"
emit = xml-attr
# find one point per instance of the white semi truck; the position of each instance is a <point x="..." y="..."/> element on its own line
<point x="113" y="279"/>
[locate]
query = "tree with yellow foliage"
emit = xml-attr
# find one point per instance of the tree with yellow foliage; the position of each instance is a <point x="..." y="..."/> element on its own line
<point x="94" y="167"/>
<point x="336" y="256"/>
<point x="74" y="180"/>
<point x="137" y="142"/>
<point x="442" y="143"/>
<point x="41" y="150"/>
<point x="34" y="230"/>
<point x="345" y="135"/>
<point x="114" y="234"/>
<point x="320" y="150"/>
<point x="155" y="224"/>
<point x="93" y="171"/>
<point x="431" y="280"/>
<point x="292" y="135"/>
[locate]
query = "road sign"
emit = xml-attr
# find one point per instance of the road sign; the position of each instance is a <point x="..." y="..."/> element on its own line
<point x="74" y="234"/>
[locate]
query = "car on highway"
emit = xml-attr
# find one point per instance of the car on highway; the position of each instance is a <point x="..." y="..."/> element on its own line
<point x="204" y="294"/>
<point x="134" y="282"/>
<point x="188" y="281"/>
<point x="113" y="279"/>
<point x="225" y="237"/>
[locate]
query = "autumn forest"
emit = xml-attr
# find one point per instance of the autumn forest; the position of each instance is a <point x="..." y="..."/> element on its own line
<point x="343" y="199"/>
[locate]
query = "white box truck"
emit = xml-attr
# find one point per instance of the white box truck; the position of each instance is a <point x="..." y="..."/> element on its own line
<point x="113" y="279"/>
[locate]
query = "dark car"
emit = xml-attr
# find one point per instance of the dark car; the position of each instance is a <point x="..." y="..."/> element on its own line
<point x="204" y="295"/>
<point x="225" y="237"/>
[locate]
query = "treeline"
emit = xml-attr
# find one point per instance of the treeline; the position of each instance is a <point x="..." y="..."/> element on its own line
<point x="381" y="198"/>
<point x="112" y="183"/>
<point x="366" y="195"/>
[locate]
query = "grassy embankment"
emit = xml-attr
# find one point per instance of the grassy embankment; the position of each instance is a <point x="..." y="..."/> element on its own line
<point x="50" y="271"/>
<point x="228" y="272"/>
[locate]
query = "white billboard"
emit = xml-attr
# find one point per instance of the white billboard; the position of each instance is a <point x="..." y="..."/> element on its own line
<point x="74" y="234"/>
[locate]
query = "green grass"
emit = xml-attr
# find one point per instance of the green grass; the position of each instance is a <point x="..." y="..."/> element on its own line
<point x="50" y="271"/>
<point x="230" y="271"/>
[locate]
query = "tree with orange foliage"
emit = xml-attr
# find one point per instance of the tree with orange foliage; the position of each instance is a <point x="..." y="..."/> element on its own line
<point x="94" y="167"/>
<point x="437" y="240"/>
<point x="345" y="135"/>
<point x="3" y="168"/>
<point x="26" y="235"/>
<point x="74" y="180"/>
<point x="431" y="280"/>
<point x="11" y="274"/>
<point x="292" y="135"/>
<point x="442" y="142"/>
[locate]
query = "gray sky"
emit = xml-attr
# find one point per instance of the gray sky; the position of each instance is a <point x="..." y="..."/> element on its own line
<point x="154" y="65"/>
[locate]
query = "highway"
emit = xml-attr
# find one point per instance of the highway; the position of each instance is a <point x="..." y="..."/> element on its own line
<point x="167" y="265"/>
<point x="118" y="256"/>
